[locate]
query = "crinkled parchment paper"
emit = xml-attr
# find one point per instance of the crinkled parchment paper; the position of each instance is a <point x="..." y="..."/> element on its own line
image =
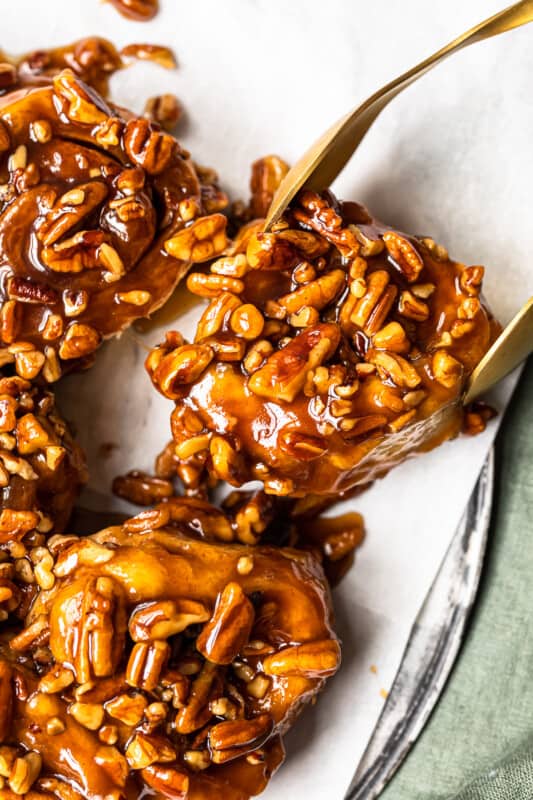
<point x="451" y="158"/>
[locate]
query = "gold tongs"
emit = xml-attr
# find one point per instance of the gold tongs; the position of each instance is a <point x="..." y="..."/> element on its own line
<point x="321" y="164"/>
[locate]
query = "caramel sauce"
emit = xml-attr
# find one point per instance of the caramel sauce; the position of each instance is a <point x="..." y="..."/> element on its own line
<point x="363" y="340"/>
<point x="138" y="10"/>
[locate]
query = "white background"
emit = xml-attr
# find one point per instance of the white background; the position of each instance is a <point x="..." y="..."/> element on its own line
<point x="451" y="158"/>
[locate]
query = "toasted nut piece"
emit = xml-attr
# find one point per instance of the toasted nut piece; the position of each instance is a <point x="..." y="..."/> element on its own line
<point x="144" y="750"/>
<point x="128" y="709"/>
<point x="29" y="363"/>
<point x="180" y="367"/>
<point x="197" y="713"/>
<point x="136" y="298"/>
<point x="257" y="354"/>
<point x="317" y="294"/>
<point x="267" y="174"/>
<point x="110" y="259"/>
<point x="108" y="734"/>
<point x="226" y="461"/>
<point x="57" y="679"/>
<point x="404" y="255"/>
<point x="18" y="159"/>
<point x="247" y="321"/>
<point x="145" y="664"/>
<point x="413" y="308"/>
<point x="90" y="715"/>
<point x="258" y="687"/>
<point x="446" y="369"/>
<point x="33" y="632"/>
<point x="423" y="290"/>
<point x="310" y="660"/>
<point x="168" y="781"/>
<point x="393" y="338"/>
<point x="164" y="618"/>
<point x="197" y="760"/>
<point x="240" y="733"/>
<point x="113" y="763"/>
<point x="25" y="772"/>
<point x="394" y="367"/>
<point x="80" y="106"/>
<point x="190" y="447"/>
<point x="471" y="280"/>
<point x="79" y="341"/>
<point x="230" y="266"/>
<point x="283" y="376"/>
<point x="205" y="238"/>
<point x="369" y="247"/>
<point x="213" y="285"/>
<point x="305" y="318"/>
<point x="375" y="300"/>
<point x="245" y="565"/>
<point x="165" y="109"/>
<point x="147" y="147"/>
<point x="438" y="252"/>
<point x="228" y="630"/>
<point x="55" y="726"/>
<point x="31" y="436"/>
<point x="93" y="610"/>
<point x="216" y="314"/>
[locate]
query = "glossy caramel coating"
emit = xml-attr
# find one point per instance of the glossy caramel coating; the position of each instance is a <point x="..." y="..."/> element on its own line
<point x="172" y="662"/>
<point x="332" y="348"/>
<point x="138" y="10"/>
<point x="42" y="470"/>
<point x="101" y="214"/>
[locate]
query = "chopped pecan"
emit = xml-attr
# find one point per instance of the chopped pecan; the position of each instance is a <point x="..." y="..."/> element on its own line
<point x="284" y="373"/>
<point x="88" y="625"/>
<point x="145" y="664"/>
<point x="404" y="255"/>
<point x="164" y="618"/>
<point x="267" y="174"/>
<point x="243" y="734"/>
<point x="229" y="628"/>
<point x="148" y="148"/>
<point x="203" y="239"/>
<point x="310" y="660"/>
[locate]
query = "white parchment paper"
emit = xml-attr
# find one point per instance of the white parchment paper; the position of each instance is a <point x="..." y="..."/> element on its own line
<point x="451" y="158"/>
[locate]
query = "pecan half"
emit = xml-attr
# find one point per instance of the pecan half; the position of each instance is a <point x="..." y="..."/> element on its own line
<point x="228" y="630"/>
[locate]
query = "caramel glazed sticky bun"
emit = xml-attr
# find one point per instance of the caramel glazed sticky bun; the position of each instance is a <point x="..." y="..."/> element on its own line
<point x="162" y="657"/>
<point x="331" y="348"/>
<point x="156" y="662"/>
<point x="91" y="200"/>
<point x="168" y="655"/>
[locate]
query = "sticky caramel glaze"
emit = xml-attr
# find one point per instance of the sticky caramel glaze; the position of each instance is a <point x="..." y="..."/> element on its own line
<point x="92" y="58"/>
<point x="138" y="10"/>
<point x="43" y="471"/>
<point x="89" y="198"/>
<point x="107" y="578"/>
<point x="350" y="347"/>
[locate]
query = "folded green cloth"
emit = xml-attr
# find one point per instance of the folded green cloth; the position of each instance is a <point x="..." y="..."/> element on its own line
<point x="478" y="745"/>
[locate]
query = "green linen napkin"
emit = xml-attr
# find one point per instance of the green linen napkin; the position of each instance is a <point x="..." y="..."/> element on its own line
<point x="478" y="745"/>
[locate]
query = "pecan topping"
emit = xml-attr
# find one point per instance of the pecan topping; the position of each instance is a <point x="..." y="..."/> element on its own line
<point x="102" y="198"/>
<point x="229" y="628"/>
<point x="174" y="713"/>
<point x="333" y="341"/>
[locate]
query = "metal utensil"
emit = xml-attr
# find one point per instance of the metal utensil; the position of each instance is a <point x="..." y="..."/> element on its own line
<point x="432" y="647"/>
<point x="326" y="158"/>
<point x="512" y="346"/>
